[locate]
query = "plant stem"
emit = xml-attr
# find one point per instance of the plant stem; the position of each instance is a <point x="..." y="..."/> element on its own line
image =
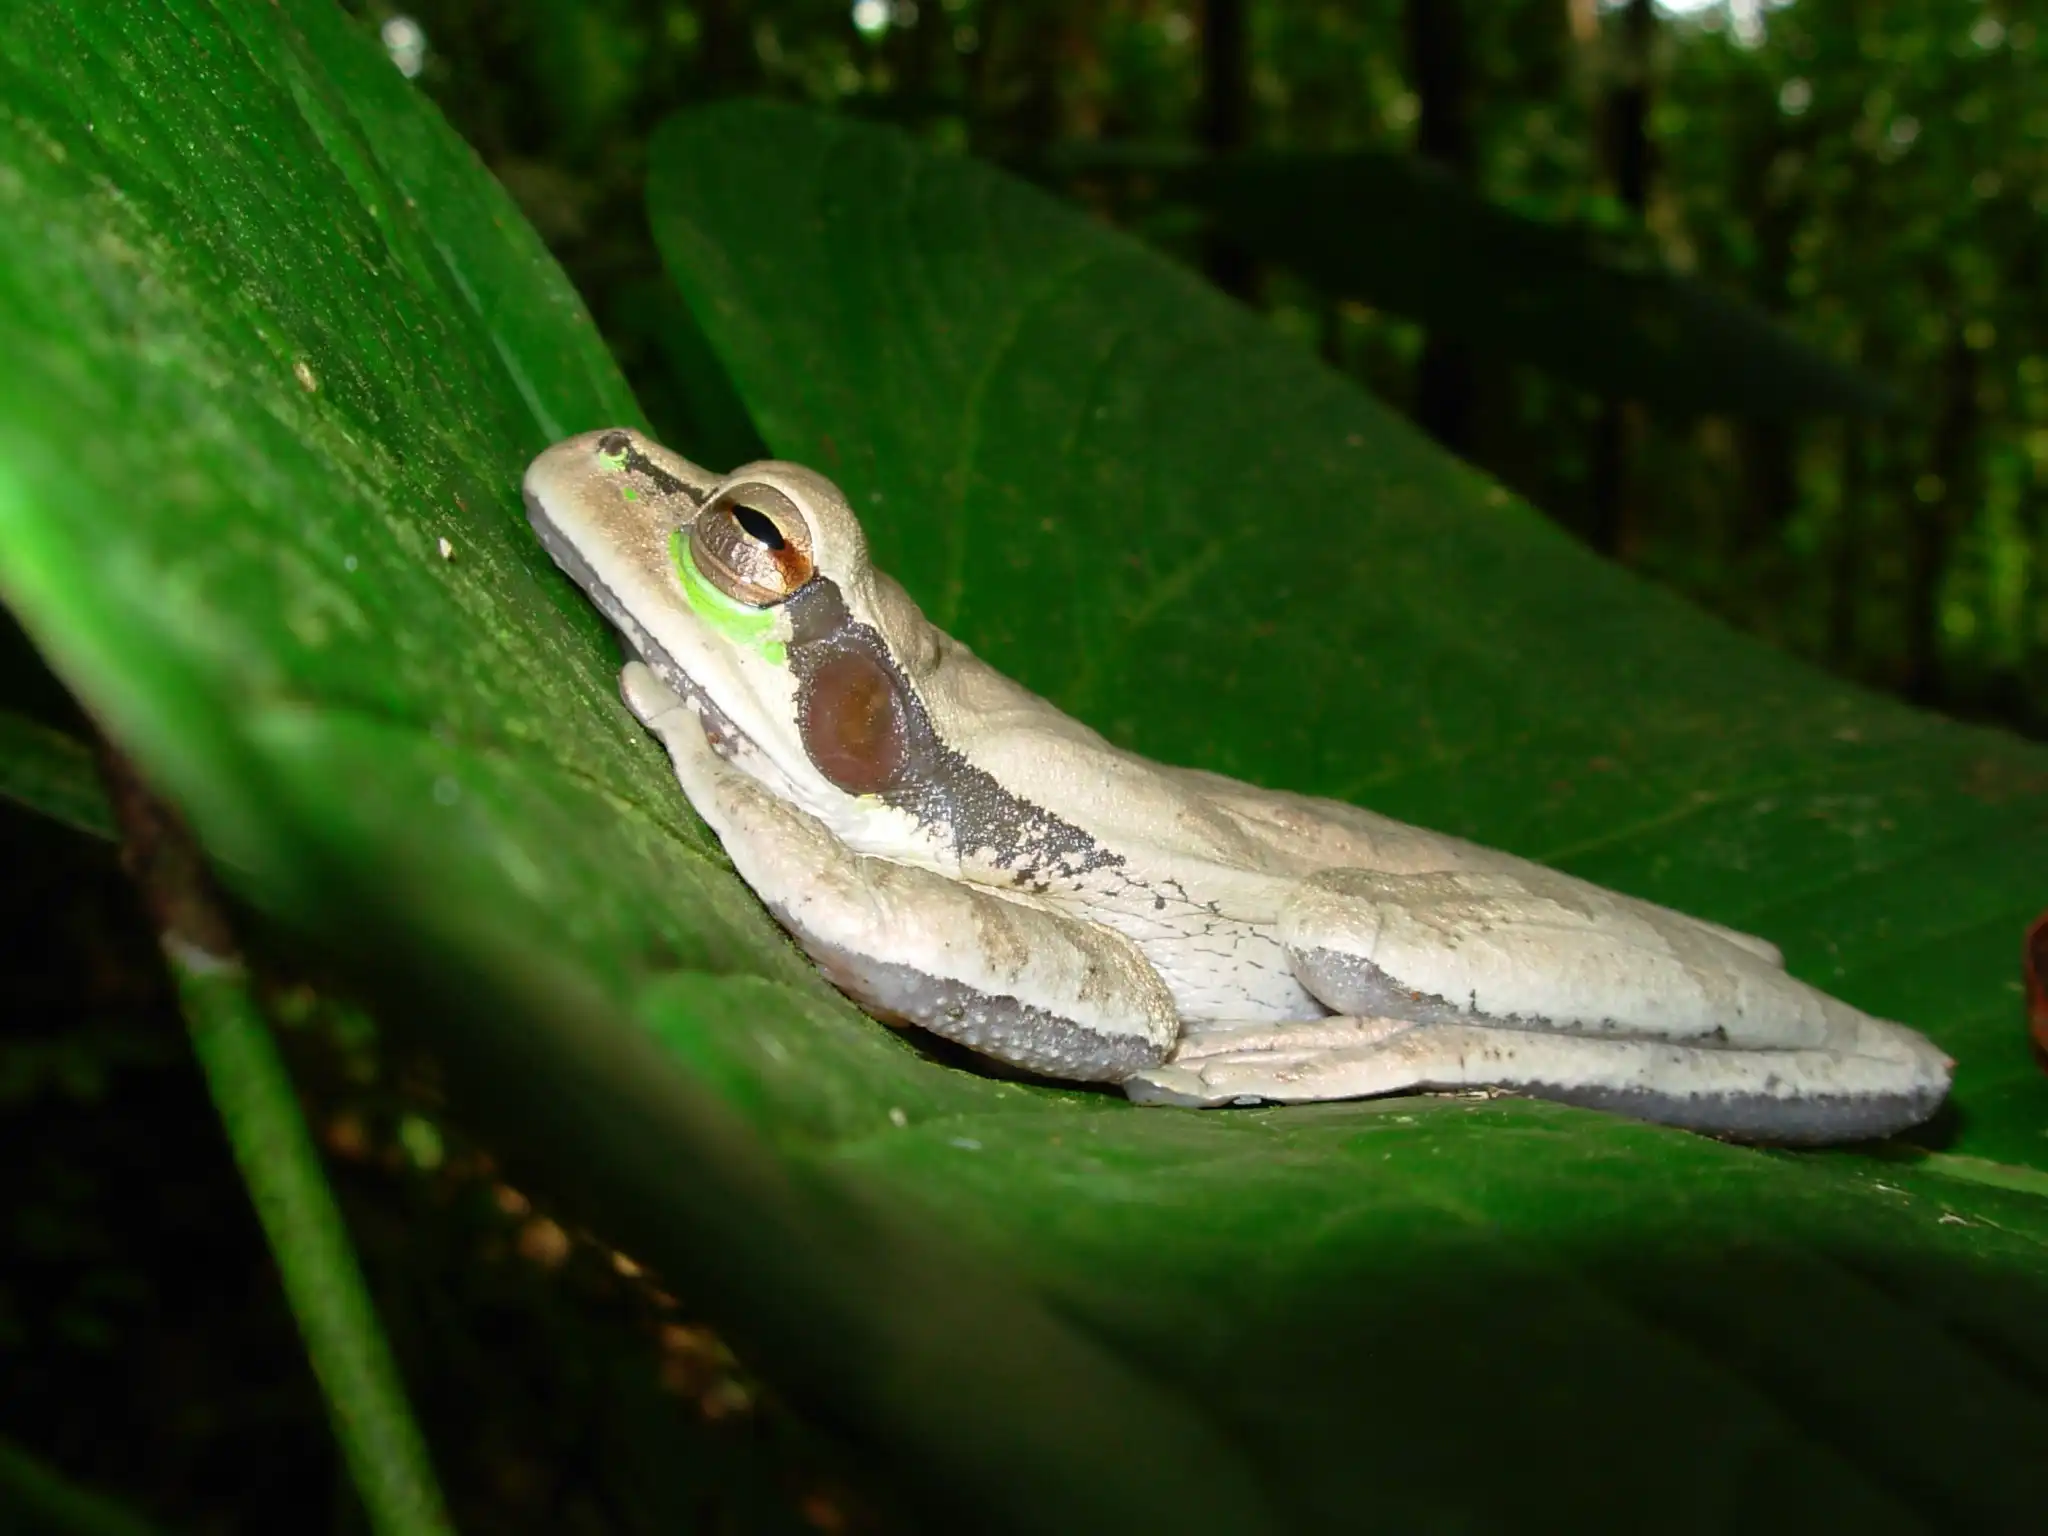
<point x="273" y="1147"/>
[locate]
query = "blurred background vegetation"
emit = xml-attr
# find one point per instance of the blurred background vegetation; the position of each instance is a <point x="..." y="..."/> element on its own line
<point x="1872" y="175"/>
<point x="1525" y="223"/>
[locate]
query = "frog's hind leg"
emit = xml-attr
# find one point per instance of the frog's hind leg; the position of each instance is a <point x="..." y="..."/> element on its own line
<point x="1787" y="1097"/>
<point x="1530" y="981"/>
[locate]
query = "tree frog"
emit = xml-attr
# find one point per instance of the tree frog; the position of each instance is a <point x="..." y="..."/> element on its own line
<point x="954" y="852"/>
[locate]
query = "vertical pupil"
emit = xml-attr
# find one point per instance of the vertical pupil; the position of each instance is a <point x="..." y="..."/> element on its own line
<point x="760" y="525"/>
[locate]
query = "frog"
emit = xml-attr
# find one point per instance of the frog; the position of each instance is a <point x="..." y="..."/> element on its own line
<point x="958" y="855"/>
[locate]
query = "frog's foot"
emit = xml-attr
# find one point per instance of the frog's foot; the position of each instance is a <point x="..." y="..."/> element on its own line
<point x="1787" y="1096"/>
<point x="1039" y="990"/>
<point x="1531" y="981"/>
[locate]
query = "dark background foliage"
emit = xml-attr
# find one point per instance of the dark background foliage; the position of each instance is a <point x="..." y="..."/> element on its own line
<point x="1873" y="177"/>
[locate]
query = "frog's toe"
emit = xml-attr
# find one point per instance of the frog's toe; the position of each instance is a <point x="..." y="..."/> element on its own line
<point x="1179" y="1088"/>
<point x="1233" y="1063"/>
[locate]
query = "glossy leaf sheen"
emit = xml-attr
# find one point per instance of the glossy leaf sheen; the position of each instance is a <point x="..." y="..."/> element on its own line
<point x="1129" y="494"/>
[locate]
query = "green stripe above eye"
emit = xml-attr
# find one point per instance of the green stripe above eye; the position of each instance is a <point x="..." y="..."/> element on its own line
<point x="753" y="628"/>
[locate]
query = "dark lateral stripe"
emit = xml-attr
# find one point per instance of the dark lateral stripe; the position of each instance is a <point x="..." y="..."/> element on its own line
<point x="620" y="445"/>
<point x="939" y="786"/>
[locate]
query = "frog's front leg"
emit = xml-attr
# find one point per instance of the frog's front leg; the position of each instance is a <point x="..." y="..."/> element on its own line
<point x="1031" y="987"/>
<point x="1526" y="979"/>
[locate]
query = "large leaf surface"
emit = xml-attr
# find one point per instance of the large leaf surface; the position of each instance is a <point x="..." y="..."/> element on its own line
<point x="1399" y="233"/>
<point x="1596" y="308"/>
<point x="1129" y="494"/>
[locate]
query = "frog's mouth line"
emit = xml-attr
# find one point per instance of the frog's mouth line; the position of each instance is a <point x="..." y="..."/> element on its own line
<point x="725" y="737"/>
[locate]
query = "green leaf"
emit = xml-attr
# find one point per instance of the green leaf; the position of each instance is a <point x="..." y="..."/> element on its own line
<point x="37" y="1497"/>
<point x="52" y="773"/>
<point x="1130" y="495"/>
<point x="1402" y="235"/>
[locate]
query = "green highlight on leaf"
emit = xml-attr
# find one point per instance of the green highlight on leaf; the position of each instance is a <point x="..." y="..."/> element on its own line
<point x="1982" y="1170"/>
<point x="52" y="773"/>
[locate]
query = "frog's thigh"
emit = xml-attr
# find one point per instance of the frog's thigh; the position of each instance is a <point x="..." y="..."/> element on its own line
<point x="1030" y="987"/>
<point x="1540" y="950"/>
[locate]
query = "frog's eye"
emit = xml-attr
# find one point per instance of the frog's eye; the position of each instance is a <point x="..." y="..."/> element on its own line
<point x="753" y="545"/>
